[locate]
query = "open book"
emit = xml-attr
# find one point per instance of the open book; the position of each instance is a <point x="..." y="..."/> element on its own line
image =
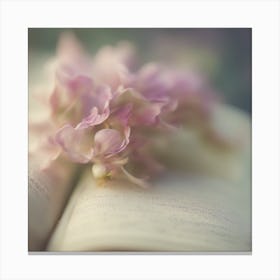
<point x="201" y="204"/>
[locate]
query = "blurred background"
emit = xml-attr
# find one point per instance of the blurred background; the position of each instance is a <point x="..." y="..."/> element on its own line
<point x="223" y="55"/>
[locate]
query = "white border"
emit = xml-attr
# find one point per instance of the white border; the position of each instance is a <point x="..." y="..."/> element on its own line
<point x="262" y="16"/>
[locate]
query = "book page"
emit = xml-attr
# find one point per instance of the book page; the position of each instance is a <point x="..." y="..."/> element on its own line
<point x="48" y="191"/>
<point x="179" y="213"/>
<point x="182" y="211"/>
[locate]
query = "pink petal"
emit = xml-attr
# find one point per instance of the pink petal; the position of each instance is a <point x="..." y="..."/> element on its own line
<point x="153" y="83"/>
<point x="74" y="79"/>
<point x="102" y="97"/>
<point x="76" y="143"/>
<point x="147" y="114"/>
<point x="122" y="114"/>
<point x="108" y="142"/>
<point x="110" y="67"/>
<point x="69" y="105"/>
<point x="71" y="52"/>
<point x="69" y="48"/>
<point x="93" y="119"/>
<point x="98" y="97"/>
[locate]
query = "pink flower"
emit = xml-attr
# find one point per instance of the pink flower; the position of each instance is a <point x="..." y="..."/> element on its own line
<point x="74" y="85"/>
<point x="109" y="142"/>
<point x="105" y="114"/>
<point x="83" y="145"/>
<point x="76" y="143"/>
<point x="153" y="83"/>
<point x="112" y="65"/>
<point x="97" y="107"/>
<point x="137" y="110"/>
<point x="81" y="85"/>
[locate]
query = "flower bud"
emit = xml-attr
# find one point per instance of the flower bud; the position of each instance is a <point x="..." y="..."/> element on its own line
<point x="99" y="171"/>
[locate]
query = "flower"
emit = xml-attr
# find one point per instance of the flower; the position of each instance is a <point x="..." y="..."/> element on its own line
<point x="106" y="114"/>
<point x="112" y="65"/>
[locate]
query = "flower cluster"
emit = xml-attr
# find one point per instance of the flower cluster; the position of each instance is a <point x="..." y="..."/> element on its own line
<point x="107" y="113"/>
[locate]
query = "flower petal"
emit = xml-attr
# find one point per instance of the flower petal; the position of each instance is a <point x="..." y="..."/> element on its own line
<point x="146" y="114"/>
<point x="76" y="143"/>
<point x="108" y="142"/>
<point x="153" y="83"/>
<point x="101" y="98"/>
<point x="71" y="52"/>
<point x="74" y="79"/>
<point x="93" y="119"/>
<point x="121" y="114"/>
<point x="110" y="66"/>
